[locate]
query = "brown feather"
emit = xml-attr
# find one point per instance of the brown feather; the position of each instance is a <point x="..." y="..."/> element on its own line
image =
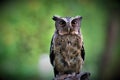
<point x="67" y="50"/>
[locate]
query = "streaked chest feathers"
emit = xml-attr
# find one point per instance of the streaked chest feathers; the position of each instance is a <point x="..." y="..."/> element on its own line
<point x="67" y="50"/>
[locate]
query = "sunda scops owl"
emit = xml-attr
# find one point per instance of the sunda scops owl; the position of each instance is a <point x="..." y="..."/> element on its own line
<point x="67" y="50"/>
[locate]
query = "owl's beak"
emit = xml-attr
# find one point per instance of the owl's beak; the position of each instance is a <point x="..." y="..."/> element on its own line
<point x="69" y="26"/>
<point x="68" y="29"/>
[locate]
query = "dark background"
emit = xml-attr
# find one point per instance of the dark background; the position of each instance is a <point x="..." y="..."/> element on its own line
<point x="26" y="28"/>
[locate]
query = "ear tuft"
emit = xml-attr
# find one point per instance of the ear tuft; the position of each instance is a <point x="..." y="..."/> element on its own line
<point x="78" y="17"/>
<point x="55" y="17"/>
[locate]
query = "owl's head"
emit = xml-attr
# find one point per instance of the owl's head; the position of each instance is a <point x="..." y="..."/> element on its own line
<point x="67" y="25"/>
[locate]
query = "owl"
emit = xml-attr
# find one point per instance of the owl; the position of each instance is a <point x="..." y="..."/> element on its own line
<point x="67" y="51"/>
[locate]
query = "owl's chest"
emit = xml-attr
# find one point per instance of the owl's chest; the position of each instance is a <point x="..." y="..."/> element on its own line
<point x="67" y="50"/>
<point x="67" y="43"/>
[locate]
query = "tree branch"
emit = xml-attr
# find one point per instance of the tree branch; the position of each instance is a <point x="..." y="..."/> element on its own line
<point x="80" y="76"/>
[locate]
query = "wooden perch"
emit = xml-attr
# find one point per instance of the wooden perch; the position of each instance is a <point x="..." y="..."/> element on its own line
<point x="80" y="76"/>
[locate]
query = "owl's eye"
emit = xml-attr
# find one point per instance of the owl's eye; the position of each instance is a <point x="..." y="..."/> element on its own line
<point x="74" y="22"/>
<point x="62" y="23"/>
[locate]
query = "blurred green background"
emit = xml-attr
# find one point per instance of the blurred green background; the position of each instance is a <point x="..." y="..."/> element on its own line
<point x="26" y="29"/>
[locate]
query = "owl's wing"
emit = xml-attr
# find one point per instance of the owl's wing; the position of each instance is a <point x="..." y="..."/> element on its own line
<point x="52" y="56"/>
<point x="83" y="53"/>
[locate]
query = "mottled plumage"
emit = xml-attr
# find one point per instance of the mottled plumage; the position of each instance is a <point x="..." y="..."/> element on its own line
<point x="67" y="50"/>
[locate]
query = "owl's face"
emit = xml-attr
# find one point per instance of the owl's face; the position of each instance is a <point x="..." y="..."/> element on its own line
<point x="67" y="25"/>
